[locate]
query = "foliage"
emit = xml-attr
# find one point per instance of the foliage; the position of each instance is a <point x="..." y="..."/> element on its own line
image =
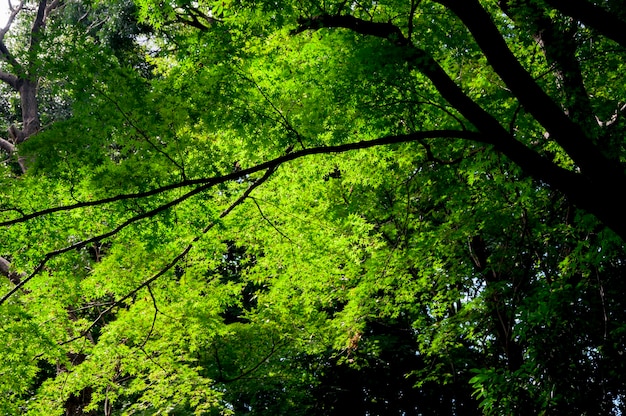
<point x="310" y="207"/>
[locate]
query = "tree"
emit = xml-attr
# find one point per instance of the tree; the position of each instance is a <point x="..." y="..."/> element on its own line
<point x="22" y="76"/>
<point x="287" y="207"/>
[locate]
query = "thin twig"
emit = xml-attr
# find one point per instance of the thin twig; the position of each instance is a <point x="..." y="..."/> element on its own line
<point x="142" y="133"/>
<point x="286" y="124"/>
<point x="268" y="221"/>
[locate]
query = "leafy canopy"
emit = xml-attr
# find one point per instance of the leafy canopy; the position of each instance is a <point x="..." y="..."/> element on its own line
<point x="295" y="207"/>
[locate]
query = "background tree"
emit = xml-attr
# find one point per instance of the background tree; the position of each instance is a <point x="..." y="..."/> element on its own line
<point x="303" y="208"/>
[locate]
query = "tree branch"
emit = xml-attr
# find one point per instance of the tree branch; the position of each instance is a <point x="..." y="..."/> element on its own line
<point x="83" y="243"/>
<point x="594" y="190"/>
<point x="208" y="182"/>
<point x="38" y="23"/>
<point x="193" y="16"/>
<point x="6" y="56"/>
<point x="7" y="146"/>
<point x="614" y="117"/>
<point x="492" y="131"/>
<point x="9" y="79"/>
<point x="5" y="269"/>
<point x="14" y="12"/>
<point x="54" y="4"/>
<point x="382" y="30"/>
<point x="176" y="259"/>
<point x="563" y="130"/>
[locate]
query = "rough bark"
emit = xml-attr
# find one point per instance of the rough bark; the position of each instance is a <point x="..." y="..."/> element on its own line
<point x="5" y="270"/>
<point x="30" y="109"/>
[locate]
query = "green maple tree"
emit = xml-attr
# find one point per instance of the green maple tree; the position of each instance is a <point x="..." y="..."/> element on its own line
<point x="313" y="208"/>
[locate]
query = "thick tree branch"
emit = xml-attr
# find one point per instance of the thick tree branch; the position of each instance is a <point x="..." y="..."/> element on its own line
<point x="210" y="182"/>
<point x="563" y="130"/>
<point x="7" y="146"/>
<point x="364" y="27"/>
<point x="414" y="5"/>
<point x="614" y="117"/>
<point x="9" y="79"/>
<point x="30" y="109"/>
<point x="493" y="132"/>
<point x="193" y="18"/>
<point x="6" y="56"/>
<point x="54" y="4"/>
<point x="38" y="23"/>
<point x="599" y="195"/>
<point x="28" y="83"/>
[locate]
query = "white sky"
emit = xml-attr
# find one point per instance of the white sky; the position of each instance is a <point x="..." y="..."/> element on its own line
<point x="4" y="12"/>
